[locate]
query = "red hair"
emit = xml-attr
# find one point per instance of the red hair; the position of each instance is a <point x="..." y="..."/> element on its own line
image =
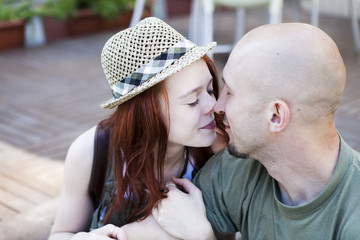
<point x="137" y="128"/>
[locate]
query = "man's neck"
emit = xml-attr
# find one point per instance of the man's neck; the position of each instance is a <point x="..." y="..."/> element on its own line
<point x="304" y="169"/>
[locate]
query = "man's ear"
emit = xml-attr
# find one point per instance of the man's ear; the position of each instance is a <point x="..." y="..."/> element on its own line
<point x="279" y="116"/>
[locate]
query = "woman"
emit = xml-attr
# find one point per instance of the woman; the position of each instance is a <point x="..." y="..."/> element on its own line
<point x="164" y="88"/>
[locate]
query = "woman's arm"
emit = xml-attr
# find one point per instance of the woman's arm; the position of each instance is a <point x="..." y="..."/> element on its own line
<point x="75" y="209"/>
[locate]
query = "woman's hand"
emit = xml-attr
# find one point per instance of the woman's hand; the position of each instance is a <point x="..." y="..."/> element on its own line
<point x="146" y="229"/>
<point x="182" y="214"/>
<point x="108" y="232"/>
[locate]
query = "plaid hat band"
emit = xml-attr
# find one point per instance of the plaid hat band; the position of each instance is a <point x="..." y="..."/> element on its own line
<point x="152" y="68"/>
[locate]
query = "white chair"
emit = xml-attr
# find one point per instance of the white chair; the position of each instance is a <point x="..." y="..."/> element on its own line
<point x="355" y="4"/>
<point x="314" y="11"/>
<point x="201" y="19"/>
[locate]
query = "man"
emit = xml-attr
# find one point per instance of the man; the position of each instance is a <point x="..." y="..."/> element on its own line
<point x="283" y="84"/>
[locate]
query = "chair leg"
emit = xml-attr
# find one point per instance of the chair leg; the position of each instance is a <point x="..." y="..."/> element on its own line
<point x="315" y="13"/>
<point x="206" y="27"/>
<point x="295" y="10"/>
<point x="239" y="24"/>
<point x="159" y="9"/>
<point x="138" y="12"/>
<point x="194" y="28"/>
<point x="355" y="24"/>
<point x="275" y="11"/>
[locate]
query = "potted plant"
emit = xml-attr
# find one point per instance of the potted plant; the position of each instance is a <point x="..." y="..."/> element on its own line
<point x="98" y="15"/>
<point x="13" y="15"/>
<point x="114" y="13"/>
<point x="78" y="17"/>
<point x="55" y="14"/>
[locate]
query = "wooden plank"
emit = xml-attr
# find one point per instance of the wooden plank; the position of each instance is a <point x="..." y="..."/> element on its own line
<point x="14" y="202"/>
<point x="50" y="187"/>
<point x="29" y="126"/>
<point x="6" y="213"/>
<point x="33" y="224"/>
<point x="59" y="144"/>
<point x="56" y="151"/>
<point x="13" y="139"/>
<point x="13" y="187"/>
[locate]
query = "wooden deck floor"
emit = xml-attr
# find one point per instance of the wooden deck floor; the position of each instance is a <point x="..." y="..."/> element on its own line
<point x="49" y="95"/>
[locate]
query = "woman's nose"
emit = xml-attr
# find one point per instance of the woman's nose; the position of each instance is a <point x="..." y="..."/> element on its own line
<point x="210" y="103"/>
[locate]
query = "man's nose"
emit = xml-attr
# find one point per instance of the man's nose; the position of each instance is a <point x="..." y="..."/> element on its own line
<point x="220" y="104"/>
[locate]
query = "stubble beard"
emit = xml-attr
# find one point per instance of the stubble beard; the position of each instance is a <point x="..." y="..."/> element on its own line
<point x="235" y="152"/>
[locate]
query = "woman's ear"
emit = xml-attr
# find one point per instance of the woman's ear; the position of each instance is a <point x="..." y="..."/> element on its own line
<point x="279" y="116"/>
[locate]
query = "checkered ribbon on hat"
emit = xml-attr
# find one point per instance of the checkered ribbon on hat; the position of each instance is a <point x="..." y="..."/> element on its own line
<point x="152" y="68"/>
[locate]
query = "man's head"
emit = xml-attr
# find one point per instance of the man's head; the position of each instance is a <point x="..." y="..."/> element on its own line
<point x="280" y="78"/>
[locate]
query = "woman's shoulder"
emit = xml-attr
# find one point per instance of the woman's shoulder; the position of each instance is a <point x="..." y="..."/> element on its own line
<point x="84" y="142"/>
<point x="81" y="152"/>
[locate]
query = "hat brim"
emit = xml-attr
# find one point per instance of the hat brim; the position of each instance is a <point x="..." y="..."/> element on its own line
<point x="191" y="56"/>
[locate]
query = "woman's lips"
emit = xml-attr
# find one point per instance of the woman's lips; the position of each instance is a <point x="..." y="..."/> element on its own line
<point x="210" y="126"/>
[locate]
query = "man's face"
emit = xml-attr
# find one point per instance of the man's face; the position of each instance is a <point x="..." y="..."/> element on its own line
<point x="244" y="109"/>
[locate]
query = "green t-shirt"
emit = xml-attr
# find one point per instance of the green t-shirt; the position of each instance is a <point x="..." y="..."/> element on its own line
<point x="240" y="195"/>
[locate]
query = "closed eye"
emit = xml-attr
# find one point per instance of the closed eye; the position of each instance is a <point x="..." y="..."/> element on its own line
<point x="193" y="104"/>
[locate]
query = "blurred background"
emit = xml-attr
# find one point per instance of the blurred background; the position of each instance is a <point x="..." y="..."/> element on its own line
<point x="51" y="81"/>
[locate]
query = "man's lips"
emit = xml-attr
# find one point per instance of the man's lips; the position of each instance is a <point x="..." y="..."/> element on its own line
<point x="210" y="125"/>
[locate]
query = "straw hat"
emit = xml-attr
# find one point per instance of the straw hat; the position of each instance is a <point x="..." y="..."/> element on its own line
<point x="137" y="58"/>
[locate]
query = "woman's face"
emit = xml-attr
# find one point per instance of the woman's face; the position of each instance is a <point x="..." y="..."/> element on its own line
<point x="191" y="102"/>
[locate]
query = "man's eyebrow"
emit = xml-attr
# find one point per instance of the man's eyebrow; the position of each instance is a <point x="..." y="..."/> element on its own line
<point x="194" y="90"/>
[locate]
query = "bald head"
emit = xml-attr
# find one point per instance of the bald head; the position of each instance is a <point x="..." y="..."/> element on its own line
<point x="297" y="63"/>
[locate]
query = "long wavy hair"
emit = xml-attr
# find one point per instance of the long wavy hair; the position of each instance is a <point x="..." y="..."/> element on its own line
<point x="137" y="128"/>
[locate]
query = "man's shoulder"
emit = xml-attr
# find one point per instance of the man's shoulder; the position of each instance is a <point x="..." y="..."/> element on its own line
<point x="350" y="155"/>
<point x="356" y="160"/>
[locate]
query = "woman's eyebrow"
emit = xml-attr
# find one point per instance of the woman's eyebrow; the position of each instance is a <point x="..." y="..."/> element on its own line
<point x="190" y="92"/>
<point x="194" y="90"/>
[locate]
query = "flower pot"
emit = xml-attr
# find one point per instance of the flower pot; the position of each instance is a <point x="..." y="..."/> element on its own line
<point x="121" y="22"/>
<point x="85" y="22"/>
<point x="55" y="29"/>
<point x="12" y="34"/>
